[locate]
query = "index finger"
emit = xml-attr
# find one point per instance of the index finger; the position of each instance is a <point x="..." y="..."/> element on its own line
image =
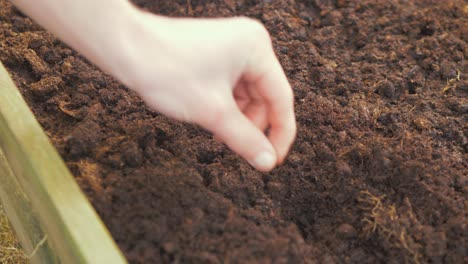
<point x="273" y="86"/>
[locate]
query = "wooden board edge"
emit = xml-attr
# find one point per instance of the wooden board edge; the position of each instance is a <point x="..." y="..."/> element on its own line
<point x="17" y="206"/>
<point x="74" y="230"/>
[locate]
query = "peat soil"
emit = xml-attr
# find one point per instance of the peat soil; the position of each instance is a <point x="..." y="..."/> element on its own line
<point x="378" y="173"/>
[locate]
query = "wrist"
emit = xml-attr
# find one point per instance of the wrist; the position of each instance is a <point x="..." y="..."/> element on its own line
<point x="121" y="50"/>
<point x="107" y="38"/>
<point x="105" y="42"/>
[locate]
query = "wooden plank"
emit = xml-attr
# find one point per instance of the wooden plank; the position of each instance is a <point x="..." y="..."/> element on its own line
<point x="18" y="208"/>
<point x="59" y="208"/>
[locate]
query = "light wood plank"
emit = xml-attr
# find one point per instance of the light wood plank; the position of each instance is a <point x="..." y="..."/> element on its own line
<point x="74" y="230"/>
<point x="18" y="208"/>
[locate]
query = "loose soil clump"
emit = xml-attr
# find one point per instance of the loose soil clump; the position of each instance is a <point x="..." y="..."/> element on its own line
<point x="377" y="174"/>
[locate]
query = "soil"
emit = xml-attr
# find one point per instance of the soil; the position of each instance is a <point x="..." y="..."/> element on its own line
<point x="378" y="173"/>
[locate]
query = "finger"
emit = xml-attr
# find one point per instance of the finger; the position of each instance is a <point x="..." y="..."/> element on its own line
<point x="244" y="138"/>
<point x="243" y="104"/>
<point x="256" y="110"/>
<point x="241" y="95"/>
<point x="274" y="87"/>
<point x="257" y="113"/>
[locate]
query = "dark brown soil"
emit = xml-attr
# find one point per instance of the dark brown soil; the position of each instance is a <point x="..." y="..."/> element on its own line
<point x="378" y="173"/>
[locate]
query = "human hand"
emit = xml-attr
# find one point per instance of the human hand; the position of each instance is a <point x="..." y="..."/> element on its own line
<point x="221" y="74"/>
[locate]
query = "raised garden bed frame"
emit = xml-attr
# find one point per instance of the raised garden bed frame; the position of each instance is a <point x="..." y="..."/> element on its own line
<point x="53" y="220"/>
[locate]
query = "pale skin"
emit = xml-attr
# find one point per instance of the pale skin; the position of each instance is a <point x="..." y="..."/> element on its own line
<point x="221" y="74"/>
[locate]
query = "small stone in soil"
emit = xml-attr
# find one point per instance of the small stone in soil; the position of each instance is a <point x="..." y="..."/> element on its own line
<point x="346" y="231"/>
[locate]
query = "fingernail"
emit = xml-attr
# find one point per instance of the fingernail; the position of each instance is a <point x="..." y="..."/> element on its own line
<point x="264" y="160"/>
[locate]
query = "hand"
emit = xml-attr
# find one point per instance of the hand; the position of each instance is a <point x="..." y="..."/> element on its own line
<point x="221" y="74"/>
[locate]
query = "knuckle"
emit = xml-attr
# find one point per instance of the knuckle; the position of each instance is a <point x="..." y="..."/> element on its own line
<point x="256" y="28"/>
<point x="294" y="130"/>
<point x="260" y="28"/>
<point x="289" y="96"/>
<point x="284" y="102"/>
<point x="290" y="126"/>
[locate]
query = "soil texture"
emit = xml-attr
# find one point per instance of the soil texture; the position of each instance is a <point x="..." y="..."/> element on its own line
<point x="378" y="173"/>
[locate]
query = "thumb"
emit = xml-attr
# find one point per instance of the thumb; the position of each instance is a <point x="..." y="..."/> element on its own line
<point x="244" y="138"/>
